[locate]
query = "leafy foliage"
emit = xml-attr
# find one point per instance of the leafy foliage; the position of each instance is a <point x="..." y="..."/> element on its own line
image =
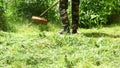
<point x="35" y="7"/>
<point x="96" y="12"/>
<point x="92" y="12"/>
<point x="3" y="25"/>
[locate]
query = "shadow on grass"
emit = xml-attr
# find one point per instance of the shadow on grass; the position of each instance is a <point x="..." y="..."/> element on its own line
<point x="97" y="34"/>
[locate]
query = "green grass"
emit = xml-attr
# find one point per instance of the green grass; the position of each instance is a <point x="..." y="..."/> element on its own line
<point x="41" y="47"/>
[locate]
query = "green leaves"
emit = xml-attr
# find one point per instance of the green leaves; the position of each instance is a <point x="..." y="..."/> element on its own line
<point x="96" y="12"/>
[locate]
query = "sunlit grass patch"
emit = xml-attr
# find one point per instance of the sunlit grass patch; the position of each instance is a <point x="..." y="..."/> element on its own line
<point x="32" y="48"/>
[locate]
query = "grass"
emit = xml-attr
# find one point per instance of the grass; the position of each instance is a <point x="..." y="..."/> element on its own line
<point x="41" y="47"/>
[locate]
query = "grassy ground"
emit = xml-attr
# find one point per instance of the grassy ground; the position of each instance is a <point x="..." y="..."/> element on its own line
<point x="30" y="47"/>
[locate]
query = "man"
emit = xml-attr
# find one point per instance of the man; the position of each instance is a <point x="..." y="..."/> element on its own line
<point x="64" y="16"/>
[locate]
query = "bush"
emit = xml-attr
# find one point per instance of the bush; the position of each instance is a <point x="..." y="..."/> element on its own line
<point x="5" y="16"/>
<point x="21" y="11"/>
<point x="35" y="8"/>
<point x="1" y="13"/>
<point x="2" y="18"/>
<point x="96" y="12"/>
<point x="92" y="12"/>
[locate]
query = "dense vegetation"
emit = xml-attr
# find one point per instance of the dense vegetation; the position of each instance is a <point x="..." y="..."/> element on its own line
<point x="92" y="12"/>
<point x="97" y="12"/>
<point x="27" y="45"/>
<point x="2" y="25"/>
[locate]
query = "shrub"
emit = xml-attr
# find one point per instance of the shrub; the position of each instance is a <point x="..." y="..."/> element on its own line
<point x="2" y="20"/>
<point x="96" y="12"/>
<point x="34" y="7"/>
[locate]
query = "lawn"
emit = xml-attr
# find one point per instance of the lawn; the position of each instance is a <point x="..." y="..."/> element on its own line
<point x="31" y="47"/>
